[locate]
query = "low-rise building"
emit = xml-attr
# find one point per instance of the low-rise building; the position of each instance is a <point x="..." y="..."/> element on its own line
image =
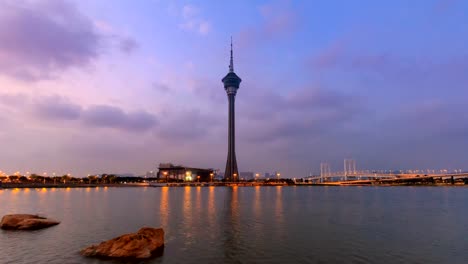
<point x="170" y="172"/>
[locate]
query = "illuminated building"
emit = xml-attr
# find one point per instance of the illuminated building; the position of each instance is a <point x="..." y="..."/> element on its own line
<point x="180" y="173"/>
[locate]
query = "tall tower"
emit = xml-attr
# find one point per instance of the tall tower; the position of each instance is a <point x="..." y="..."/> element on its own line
<point x="231" y="83"/>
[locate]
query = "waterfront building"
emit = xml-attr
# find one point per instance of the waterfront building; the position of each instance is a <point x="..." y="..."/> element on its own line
<point x="171" y="172"/>
<point x="231" y="84"/>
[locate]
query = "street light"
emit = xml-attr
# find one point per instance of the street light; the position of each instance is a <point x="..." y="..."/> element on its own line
<point x="165" y="175"/>
<point x="198" y="178"/>
<point x="234" y="176"/>
<point x="211" y="176"/>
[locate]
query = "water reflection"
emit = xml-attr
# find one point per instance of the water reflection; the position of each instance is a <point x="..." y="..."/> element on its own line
<point x="42" y="196"/>
<point x="187" y="206"/>
<point x="211" y="206"/>
<point x="187" y="221"/>
<point x="164" y="206"/>
<point x="198" y="199"/>
<point x="249" y="225"/>
<point x="231" y="225"/>
<point x="257" y="208"/>
<point x="279" y="205"/>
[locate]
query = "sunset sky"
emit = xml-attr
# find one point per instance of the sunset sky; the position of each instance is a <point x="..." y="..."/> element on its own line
<point x="120" y="86"/>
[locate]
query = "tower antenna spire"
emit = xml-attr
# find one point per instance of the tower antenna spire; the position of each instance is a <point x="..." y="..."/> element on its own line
<point x="231" y="65"/>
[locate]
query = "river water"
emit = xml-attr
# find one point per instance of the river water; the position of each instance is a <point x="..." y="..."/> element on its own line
<point x="247" y="224"/>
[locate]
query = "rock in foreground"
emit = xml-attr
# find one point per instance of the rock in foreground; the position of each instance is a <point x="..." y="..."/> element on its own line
<point x="26" y="222"/>
<point x="141" y="244"/>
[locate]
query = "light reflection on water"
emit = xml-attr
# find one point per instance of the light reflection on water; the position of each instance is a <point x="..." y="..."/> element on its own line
<point x="164" y="207"/>
<point x="248" y="224"/>
<point x="211" y="212"/>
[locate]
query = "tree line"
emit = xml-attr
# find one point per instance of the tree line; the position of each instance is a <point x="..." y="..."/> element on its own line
<point x="64" y="179"/>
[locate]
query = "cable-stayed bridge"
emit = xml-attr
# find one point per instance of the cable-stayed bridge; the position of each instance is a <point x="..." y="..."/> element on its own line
<point x="340" y="176"/>
<point x="351" y="175"/>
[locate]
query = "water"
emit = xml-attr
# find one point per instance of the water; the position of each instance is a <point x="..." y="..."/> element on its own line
<point x="248" y="224"/>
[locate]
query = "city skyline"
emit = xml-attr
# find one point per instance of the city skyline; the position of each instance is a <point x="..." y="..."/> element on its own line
<point x="89" y="87"/>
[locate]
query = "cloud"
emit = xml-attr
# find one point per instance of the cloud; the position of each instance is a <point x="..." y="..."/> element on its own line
<point x="56" y="108"/>
<point x="330" y="56"/>
<point x="187" y="125"/>
<point x="278" y="19"/>
<point x="207" y="89"/>
<point x="192" y="20"/>
<point x="429" y="120"/>
<point x="190" y="11"/>
<point x="204" y="27"/>
<point x="10" y="100"/>
<point x="314" y="124"/>
<point x="119" y="39"/>
<point x="423" y="70"/>
<point x="304" y="113"/>
<point x="40" y="38"/>
<point x="316" y="98"/>
<point x="59" y="108"/>
<point x="161" y="87"/>
<point x="115" y="117"/>
<point x="128" y="45"/>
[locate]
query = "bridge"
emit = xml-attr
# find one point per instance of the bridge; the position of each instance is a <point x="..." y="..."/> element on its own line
<point x="351" y="175"/>
<point x="366" y="176"/>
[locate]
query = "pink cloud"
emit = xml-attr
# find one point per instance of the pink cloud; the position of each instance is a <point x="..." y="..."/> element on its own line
<point x="330" y="56"/>
<point x="279" y="19"/>
<point x="42" y="38"/>
<point x="193" y="20"/>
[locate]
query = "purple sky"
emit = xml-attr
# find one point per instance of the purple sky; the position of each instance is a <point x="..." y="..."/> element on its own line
<point x="120" y="86"/>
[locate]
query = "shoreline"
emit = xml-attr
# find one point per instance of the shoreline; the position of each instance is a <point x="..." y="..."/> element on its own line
<point x="66" y="185"/>
<point x="217" y="184"/>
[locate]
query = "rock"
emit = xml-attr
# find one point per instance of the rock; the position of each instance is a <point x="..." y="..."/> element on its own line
<point x="142" y="244"/>
<point x="26" y="222"/>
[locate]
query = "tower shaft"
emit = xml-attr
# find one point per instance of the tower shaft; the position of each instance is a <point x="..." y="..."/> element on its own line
<point x="231" y="173"/>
